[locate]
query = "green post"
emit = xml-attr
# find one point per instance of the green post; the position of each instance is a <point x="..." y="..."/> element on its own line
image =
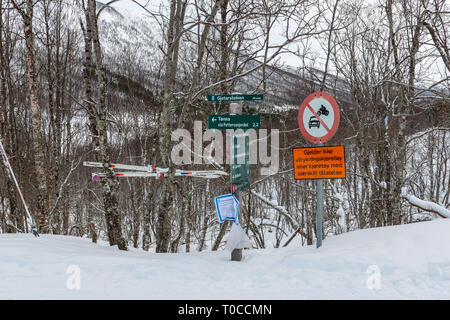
<point x="236" y="108"/>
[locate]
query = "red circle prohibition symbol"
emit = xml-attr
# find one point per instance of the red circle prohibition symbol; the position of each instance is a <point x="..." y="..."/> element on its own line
<point x="318" y="117"/>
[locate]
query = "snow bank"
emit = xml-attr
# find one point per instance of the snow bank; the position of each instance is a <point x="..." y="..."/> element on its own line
<point x="413" y="263"/>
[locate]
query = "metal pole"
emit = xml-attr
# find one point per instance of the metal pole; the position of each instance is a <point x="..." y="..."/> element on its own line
<point x="319" y="212"/>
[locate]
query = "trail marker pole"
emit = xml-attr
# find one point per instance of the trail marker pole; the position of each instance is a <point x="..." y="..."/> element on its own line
<point x="29" y="218"/>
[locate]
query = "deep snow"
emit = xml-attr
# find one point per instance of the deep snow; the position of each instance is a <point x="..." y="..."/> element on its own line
<point x="414" y="263"/>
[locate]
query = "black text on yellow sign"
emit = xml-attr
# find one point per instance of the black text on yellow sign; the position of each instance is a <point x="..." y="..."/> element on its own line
<point x="319" y="163"/>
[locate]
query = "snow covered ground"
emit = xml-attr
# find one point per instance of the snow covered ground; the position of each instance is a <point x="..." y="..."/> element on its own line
<point x="413" y="262"/>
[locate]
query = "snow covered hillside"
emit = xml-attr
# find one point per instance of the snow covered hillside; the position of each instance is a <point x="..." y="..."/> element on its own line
<point x="401" y="262"/>
<point x="131" y="43"/>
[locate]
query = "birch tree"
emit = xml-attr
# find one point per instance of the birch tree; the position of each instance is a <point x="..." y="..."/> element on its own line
<point x="95" y="102"/>
<point x="26" y="11"/>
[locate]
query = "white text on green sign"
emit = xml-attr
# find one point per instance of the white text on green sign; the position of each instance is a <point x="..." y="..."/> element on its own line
<point x="236" y="97"/>
<point x="232" y="121"/>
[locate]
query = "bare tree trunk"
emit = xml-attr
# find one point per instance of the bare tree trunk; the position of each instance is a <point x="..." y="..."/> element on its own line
<point x="38" y="146"/>
<point x="97" y="117"/>
<point x="165" y="207"/>
<point x="148" y="204"/>
<point x="403" y="108"/>
<point x="5" y="127"/>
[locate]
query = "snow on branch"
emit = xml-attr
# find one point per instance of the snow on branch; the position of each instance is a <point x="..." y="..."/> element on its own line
<point x="421" y="134"/>
<point x="282" y="210"/>
<point x="427" y="205"/>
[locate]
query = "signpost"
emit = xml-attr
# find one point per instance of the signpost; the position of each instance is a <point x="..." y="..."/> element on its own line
<point x="318" y="120"/>
<point x="240" y="166"/>
<point x="149" y="171"/>
<point x="233" y="121"/>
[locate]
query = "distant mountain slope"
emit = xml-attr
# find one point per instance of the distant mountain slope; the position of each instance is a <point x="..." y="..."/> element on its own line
<point x="130" y="43"/>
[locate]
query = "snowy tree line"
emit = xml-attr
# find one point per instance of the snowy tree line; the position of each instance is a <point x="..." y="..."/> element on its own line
<point x="63" y="101"/>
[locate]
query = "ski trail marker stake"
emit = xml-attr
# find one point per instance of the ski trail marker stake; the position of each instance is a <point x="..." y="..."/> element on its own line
<point x="30" y="220"/>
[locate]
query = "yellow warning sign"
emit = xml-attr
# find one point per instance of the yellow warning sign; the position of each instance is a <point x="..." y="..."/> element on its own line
<point x="319" y="163"/>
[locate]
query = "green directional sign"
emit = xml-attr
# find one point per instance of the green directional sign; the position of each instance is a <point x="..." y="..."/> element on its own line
<point x="240" y="185"/>
<point x="239" y="171"/>
<point x="240" y="167"/>
<point x="236" y="97"/>
<point x="234" y="121"/>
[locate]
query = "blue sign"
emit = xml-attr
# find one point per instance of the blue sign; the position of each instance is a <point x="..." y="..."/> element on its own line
<point x="227" y="207"/>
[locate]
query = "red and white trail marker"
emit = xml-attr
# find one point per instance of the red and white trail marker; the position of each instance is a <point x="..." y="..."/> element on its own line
<point x="318" y="117"/>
